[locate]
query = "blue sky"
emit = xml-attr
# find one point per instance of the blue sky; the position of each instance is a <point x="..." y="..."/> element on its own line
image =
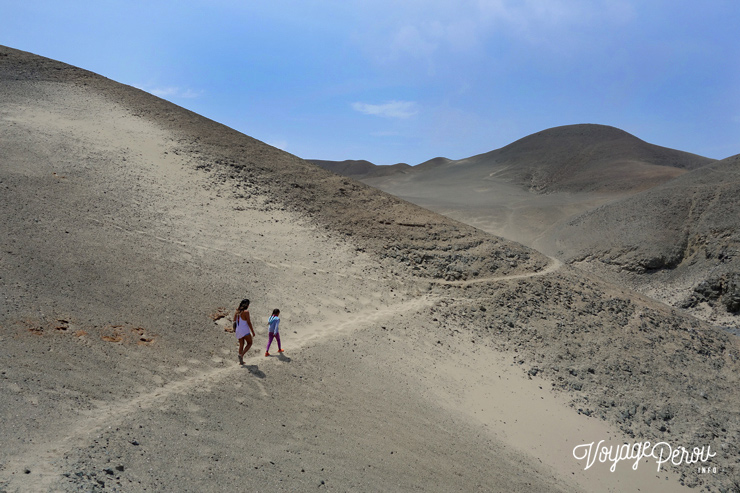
<point x="410" y="80"/>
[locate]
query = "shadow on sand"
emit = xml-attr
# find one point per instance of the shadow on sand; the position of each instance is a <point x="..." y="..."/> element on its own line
<point x="254" y="370"/>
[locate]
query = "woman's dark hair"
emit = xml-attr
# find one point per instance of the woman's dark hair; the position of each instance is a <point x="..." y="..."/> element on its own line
<point x="276" y="311"/>
<point x="244" y="304"/>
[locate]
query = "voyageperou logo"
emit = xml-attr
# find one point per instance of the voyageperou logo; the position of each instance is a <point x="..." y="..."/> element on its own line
<point x="662" y="452"/>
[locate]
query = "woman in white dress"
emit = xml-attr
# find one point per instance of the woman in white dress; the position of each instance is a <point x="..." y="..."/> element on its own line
<point x="244" y="330"/>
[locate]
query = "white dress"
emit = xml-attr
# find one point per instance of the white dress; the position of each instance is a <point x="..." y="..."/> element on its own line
<point x="242" y="328"/>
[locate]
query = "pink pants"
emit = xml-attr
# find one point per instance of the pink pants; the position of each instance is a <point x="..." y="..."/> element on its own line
<point x="269" y="341"/>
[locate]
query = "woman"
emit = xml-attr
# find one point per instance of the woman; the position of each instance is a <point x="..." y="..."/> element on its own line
<point x="244" y="330"/>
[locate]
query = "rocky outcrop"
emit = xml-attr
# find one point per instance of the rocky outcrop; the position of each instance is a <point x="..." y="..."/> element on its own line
<point x="723" y="290"/>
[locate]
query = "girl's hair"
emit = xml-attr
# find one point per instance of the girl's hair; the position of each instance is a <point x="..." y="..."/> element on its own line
<point x="276" y="312"/>
<point x="244" y="304"/>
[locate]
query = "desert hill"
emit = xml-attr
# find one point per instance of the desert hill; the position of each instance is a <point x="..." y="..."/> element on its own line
<point x="433" y="163"/>
<point x="351" y="168"/>
<point x="363" y="169"/>
<point x="132" y="228"/>
<point x="674" y="241"/>
<point x="678" y="241"/>
<point x="360" y="169"/>
<point x="572" y="158"/>
<point x="585" y="158"/>
<point x="421" y="352"/>
<point x="525" y="189"/>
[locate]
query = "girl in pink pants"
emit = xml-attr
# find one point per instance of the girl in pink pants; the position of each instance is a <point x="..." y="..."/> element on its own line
<point x="272" y="331"/>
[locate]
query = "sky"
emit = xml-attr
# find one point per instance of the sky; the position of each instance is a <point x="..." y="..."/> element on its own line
<point x="411" y="80"/>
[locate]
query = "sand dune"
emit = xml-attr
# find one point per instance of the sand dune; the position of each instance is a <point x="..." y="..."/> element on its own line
<point x="422" y="354"/>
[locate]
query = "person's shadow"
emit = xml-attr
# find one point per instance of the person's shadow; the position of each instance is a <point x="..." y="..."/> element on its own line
<point x="255" y="370"/>
<point x="283" y="358"/>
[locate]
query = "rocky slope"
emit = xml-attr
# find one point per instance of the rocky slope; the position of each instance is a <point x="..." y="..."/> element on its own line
<point x="134" y="226"/>
<point x="678" y="241"/>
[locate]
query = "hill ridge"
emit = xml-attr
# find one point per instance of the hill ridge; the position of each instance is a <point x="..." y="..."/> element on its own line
<point x="572" y="158"/>
<point x="134" y="229"/>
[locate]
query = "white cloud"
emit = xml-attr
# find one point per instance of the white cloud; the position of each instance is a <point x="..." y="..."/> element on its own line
<point x="391" y="109"/>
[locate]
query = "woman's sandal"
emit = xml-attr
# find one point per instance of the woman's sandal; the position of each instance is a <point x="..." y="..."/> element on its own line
<point x="241" y="360"/>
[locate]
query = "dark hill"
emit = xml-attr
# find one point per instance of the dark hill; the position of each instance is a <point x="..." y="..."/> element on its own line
<point x="579" y="158"/>
<point x="572" y="158"/>
<point x="360" y="169"/>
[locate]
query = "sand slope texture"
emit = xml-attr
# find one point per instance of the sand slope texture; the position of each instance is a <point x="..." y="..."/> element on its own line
<point x="421" y="354"/>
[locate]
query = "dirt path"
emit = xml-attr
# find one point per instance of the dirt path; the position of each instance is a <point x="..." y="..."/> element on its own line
<point x="520" y="414"/>
<point x="46" y="459"/>
<point x="554" y="265"/>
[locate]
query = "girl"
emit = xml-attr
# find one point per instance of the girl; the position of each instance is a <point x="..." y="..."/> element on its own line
<point x="244" y="330"/>
<point x="274" y="321"/>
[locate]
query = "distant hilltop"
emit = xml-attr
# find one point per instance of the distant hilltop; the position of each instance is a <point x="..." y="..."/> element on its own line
<point x="360" y="169"/>
<point x="660" y="220"/>
<point x="574" y="158"/>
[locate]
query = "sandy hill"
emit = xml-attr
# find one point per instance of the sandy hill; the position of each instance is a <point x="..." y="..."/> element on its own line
<point x="572" y="158"/>
<point x="422" y="354"/>
<point x="678" y="241"/>
<point x="585" y="158"/>
<point x="351" y="168"/>
<point x="433" y="163"/>
<point x="360" y="169"/>
<point x="675" y="241"/>
<point x="524" y="190"/>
